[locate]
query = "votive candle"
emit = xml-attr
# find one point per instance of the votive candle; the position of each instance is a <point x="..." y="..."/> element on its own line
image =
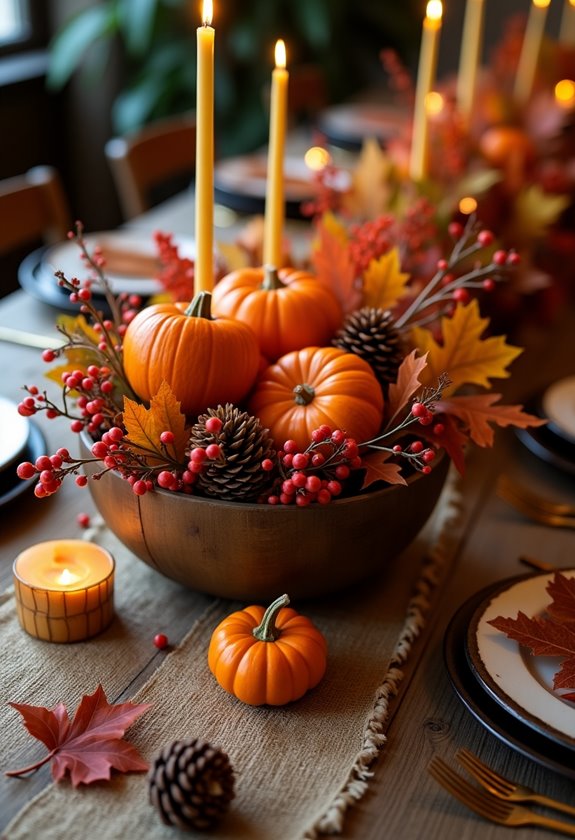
<point x="64" y="590"/>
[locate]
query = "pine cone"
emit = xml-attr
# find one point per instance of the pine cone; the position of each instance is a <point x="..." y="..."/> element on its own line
<point x="244" y="443"/>
<point x="370" y="334"/>
<point x="191" y="784"/>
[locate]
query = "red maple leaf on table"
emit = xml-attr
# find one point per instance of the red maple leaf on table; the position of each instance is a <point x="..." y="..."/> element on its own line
<point x="549" y="636"/>
<point x="90" y="744"/>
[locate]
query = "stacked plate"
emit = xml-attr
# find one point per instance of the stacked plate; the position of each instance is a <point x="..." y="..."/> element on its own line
<point x="554" y="442"/>
<point x="506" y="688"/>
<point x="132" y="265"/>
<point x="20" y="440"/>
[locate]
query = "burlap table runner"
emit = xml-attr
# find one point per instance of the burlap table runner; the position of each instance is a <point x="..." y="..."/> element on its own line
<point x="298" y="767"/>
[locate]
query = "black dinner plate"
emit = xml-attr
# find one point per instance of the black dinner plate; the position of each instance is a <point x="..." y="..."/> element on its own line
<point x="545" y="442"/>
<point x="13" y="487"/>
<point x="487" y="711"/>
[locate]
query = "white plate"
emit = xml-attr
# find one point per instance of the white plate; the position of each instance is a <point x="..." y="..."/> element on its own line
<point x="132" y="259"/>
<point x="520" y="682"/>
<point x="559" y="406"/>
<point x="14" y="431"/>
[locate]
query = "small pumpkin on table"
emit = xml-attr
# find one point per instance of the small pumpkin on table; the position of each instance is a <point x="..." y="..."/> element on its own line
<point x="267" y="656"/>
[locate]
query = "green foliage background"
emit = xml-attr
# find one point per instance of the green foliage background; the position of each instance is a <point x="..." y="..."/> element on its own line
<point x="155" y="40"/>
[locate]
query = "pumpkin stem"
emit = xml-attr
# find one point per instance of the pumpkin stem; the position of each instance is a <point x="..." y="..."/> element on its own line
<point x="267" y="631"/>
<point x="303" y="394"/>
<point x="271" y="279"/>
<point x="201" y="306"/>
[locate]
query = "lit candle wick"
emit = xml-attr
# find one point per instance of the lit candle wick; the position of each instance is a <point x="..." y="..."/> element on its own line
<point x="67" y="577"/>
<point x="207" y="12"/>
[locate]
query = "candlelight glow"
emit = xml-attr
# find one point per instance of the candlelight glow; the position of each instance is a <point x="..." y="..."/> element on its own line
<point x="434" y="9"/>
<point x="565" y="92"/>
<point x="207" y="12"/>
<point x="66" y="577"/>
<point x="317" y="158"/>
<point x="467" y="205"/>
<point x="542" y="4"/>
<point x="434" y="103"/>
<point x="280" y="53"/>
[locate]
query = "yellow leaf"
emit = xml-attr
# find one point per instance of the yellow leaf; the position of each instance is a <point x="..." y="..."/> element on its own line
<point x="384" y="283"/>
<point x="534" y="211"/>
<point x="145" y="425"/>
<point x="77" y="325"/>
<point x="372" y="187"/>
<point x="335" y="226"/>
<point x="77" y="358"/>
<point x="234" y="257"/>
<point x="464" y="355"/>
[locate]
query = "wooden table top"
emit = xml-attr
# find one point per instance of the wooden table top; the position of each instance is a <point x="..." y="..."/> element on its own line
<point x="403" y="801"/>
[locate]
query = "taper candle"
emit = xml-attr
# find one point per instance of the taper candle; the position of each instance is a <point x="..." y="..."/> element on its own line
<point x="275" y="201"/>
<point x="64" y="590"/>
<point x="530" y="49"/>
<point x="425" y="79"/>
<point x="204" y="264"/>
<point x="470" y="57"/>
<point x="567" y="30"/>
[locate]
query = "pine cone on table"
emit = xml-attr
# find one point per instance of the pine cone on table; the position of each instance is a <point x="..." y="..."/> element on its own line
<point x="244" y="443"/>
<point x="370" y="333"/>
<point x="191" y="783"/>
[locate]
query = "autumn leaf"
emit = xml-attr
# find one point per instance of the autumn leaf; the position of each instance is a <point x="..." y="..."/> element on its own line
<point x="452" y="439"/>
<point x="334" y="267"/>
<point x="477" y="411"/>
<point x="384" y="283"/>
<point x="554" y="636"/>
<point x="534" y="211"/>
<point x="377" y="469"/>
<point x="465" y="356"/>
<point x="77" y="357"/>
<point x="372" y="187"/>
<point x="408" y="381"/>
<point x="88" y="746"/>
<point x="145" y="425"/>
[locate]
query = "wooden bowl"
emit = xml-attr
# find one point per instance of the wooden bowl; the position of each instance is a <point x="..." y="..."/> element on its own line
<point x="257" y="552"/>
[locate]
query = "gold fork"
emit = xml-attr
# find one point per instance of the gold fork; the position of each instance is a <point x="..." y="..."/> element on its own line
<point x="556" y="514"/>
<point x="488" y="806"/>
<point x="504" y="788"/>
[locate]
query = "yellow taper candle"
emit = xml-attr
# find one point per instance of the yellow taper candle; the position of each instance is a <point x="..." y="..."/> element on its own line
<point x="204" y="266"/>
<point x="275" y="203"/>
<point x="530" y="50"/>
<point x="425" y="80"/>
<point x="567" y="31"/>
<point x="470" y="57"/>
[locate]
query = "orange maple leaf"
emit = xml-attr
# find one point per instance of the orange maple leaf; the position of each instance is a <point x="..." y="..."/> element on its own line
<point x="477" y="411"/>
<point x="464" y="355"/>
<point x="407" y="383"/>
<point x="377" y="469"/>
<point x="334" y="267"/>
<point x="384" y="283"/>
<point x="145" y="425"/>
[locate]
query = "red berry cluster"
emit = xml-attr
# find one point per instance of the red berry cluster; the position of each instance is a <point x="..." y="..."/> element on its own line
<point x="317" y="474"/>
<point x="91" y="391"/>
<point x="177" y="273"/>
<point x="370" y="240"/>
<point x="328" y="197"/>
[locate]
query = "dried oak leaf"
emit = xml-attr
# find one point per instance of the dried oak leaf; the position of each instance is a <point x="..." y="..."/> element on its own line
<point x="477" y="412"/>
<point x="407" y="383"/>
<point x="333" y="264"/>
<point x="377" y="469"/>
<point x="90" y="744"/>
<point x="554" y="636"/>
<point x="145" y="425"/>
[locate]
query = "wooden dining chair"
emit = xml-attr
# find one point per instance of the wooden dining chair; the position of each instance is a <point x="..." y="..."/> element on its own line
<point x="33" y="209"/>
<point x="152" y="164"/>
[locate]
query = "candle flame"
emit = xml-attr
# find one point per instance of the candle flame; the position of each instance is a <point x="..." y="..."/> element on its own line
<point x="280" y="53"/>
<point x="467" y="205"/>
<point x="572" y="3"/>
<point x="66" y="577"/>
<point x="207" y="12"/>
<point x="565" y="93"/>
<point x="434" y="10"/>
<point x="542" y="4"/>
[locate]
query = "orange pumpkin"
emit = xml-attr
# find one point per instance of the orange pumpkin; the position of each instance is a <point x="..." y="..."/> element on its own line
<point x="286" y="310"/>
<point x="204" y="361"/>
<point x="268" y="656"/>
<point x="318" y="385"/>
